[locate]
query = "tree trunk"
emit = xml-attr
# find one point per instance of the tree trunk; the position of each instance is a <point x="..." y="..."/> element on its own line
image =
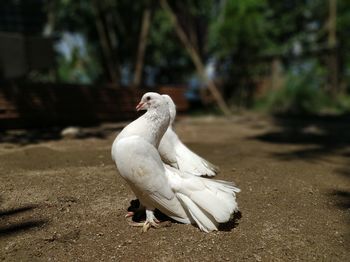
<point x="146" y="21"/>
<point x="332" y="44"/>
<point x="196" y="59"/>
<point x="103" y="38"/>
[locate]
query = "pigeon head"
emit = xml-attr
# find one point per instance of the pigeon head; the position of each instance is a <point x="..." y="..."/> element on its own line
<point x="150" y="100"/>
<point x="172" y="107"/>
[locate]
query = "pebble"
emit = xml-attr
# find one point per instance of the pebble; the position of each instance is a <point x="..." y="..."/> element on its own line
<point x="257" y="257"/>
<point x="71" y="132"/>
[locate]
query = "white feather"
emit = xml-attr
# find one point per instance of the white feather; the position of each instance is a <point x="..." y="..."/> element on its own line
<point x="202" y="220"/>
<point x="140" y="165"/>
<point x="214" y="199"/>
<point x="178" y="155"/>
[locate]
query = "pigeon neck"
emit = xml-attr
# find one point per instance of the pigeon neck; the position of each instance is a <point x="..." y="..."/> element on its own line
<point x="172" y="118"/>
<point x="172" y="111"/>
<point x="158" y="119"/>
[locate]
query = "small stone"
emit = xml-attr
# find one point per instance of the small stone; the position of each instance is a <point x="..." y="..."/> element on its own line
<point x="71" y="132"/>
<point x="257" y="257"/>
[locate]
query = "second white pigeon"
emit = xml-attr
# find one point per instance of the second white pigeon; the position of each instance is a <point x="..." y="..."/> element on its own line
<point x="178" y="155"/>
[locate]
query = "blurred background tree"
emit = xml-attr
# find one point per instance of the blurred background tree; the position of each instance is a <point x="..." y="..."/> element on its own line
<point x="253" y="39"/>
<point x="238" y="39"/>
<point x="261" y="53"/>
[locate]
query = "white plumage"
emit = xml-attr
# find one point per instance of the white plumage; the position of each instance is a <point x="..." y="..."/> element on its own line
<point x="180" y="195"/>
<point x="178" y="155"/>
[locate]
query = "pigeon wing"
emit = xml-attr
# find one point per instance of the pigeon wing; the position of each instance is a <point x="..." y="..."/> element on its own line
<point x="140" y="165"/>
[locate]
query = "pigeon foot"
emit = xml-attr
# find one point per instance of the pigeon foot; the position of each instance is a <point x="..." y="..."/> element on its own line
<point x="152" y="221"/>
<point x="148" y="224"/>
<point x="155" y="224"/>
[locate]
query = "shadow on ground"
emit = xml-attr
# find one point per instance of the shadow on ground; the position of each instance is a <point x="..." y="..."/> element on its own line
<point x="139" y="215"/>
<point x="34" y="136"/>
<point x="9" y="227"/>
<point x="321" y="136"/>
<point x="325" y="135"/>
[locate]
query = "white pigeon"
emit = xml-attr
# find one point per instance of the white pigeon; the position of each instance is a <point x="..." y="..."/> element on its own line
<point x="181" y="196"/>
<point x="173" y="152"/>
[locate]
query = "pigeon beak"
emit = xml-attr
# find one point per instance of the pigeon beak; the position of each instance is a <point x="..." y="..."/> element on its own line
<point x="140" y="106"/>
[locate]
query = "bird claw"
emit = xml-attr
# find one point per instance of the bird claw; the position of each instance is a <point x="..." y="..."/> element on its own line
<point x="155" y="224"/>
<point x="146" y="225"/>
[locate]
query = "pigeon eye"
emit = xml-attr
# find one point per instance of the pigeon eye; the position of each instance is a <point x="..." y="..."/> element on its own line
<point x="148" y="98"/>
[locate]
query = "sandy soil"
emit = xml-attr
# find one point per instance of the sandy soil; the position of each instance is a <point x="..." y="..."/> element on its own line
<point x="63" y="200"/>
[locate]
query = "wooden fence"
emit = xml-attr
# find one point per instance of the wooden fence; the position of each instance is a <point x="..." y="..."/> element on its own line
<point x="43" y="105"/>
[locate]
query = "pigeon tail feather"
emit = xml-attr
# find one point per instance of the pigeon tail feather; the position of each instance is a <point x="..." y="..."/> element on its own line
<point x="208" y="202"/>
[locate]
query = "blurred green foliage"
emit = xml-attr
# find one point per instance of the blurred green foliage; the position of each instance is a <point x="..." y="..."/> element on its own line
<point x="164" y="51"/>
<point x="243" y="37"/>
<point x="242" y="27"/>
<point x="301" y="92"/>
<point x="78" y="68"/>
<point x="251" y="34"/>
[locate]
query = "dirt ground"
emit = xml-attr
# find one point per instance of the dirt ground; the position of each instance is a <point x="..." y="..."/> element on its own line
<point x="63" y="200"/>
